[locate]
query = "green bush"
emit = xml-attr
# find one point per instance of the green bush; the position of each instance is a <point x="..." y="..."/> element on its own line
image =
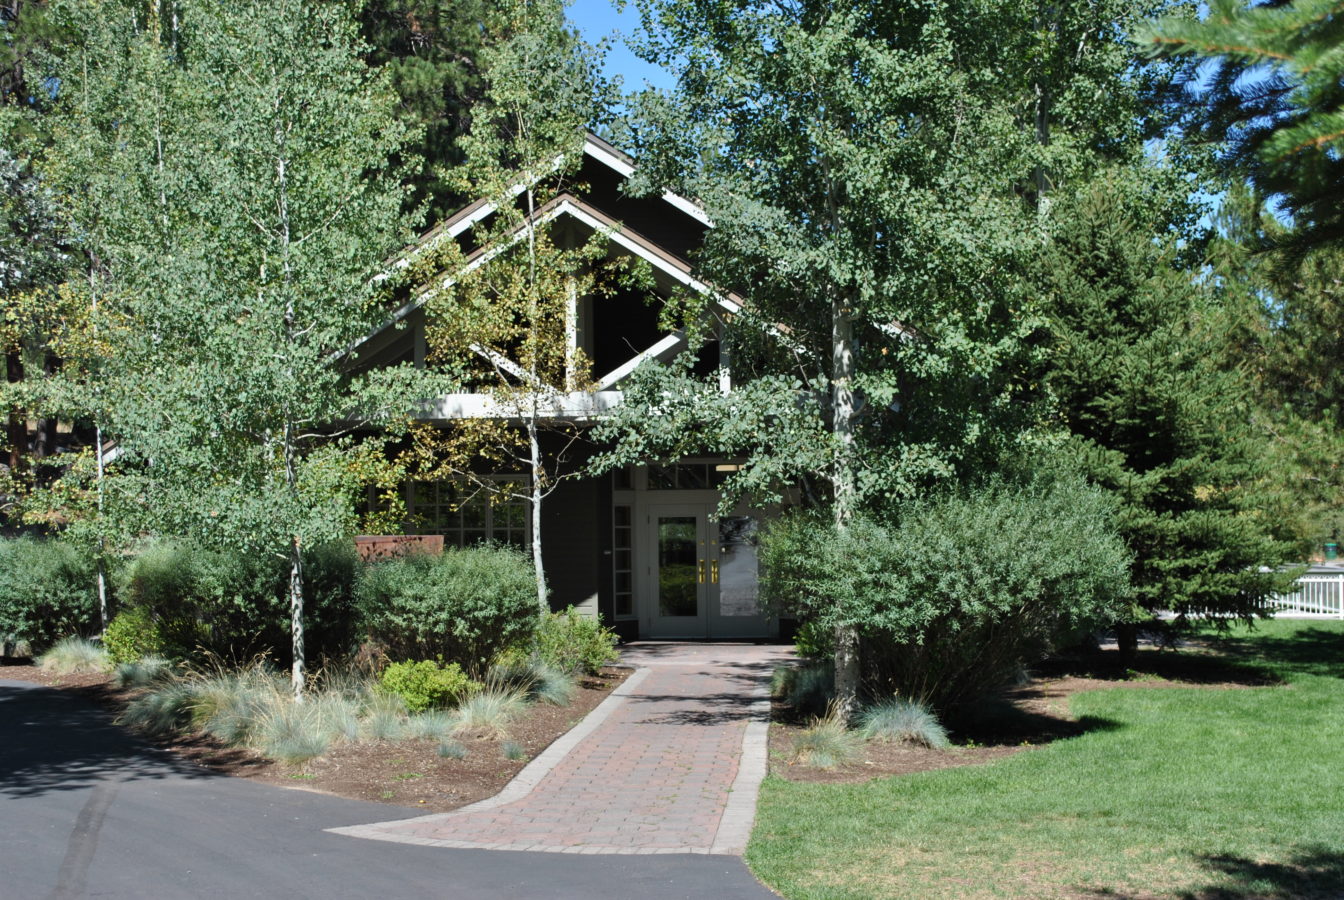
<point x="463" y="605"/>
<point x="133" y="635"/>
<point x="953" y="594"/>
<point x="47" y="591"/>
<point x="235" y="605"/>
<point x="574" y="644"/>
<point x="426" y="684"/>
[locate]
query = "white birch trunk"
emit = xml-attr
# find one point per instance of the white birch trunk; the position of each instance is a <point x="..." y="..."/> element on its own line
<point x="843" y="479"/>
<point x="534" y="447"/>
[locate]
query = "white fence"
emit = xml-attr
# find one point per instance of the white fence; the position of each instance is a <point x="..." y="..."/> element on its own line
<point x="1316" y="595"/>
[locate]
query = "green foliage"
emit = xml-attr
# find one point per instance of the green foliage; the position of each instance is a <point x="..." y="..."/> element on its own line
<point x="899" y="719"/>
<point x="430" y="50"/>
<point x="1157" y="412"/>
<point x="808" y="688"/>
<point x="426" y="684"/>
<point x="957" y="590"/>
<point x="133" y="635"/>
<point x="46" y="591"/>
<point x="1271" y="99"/>
<point x="465" y="605"/>
<point x="813" y="641"/>
<point x="513" y="751"/>
<point x="574" y="644"/>
<point x="74" y="656"/>
<point x="233" y="605"/>
<point x="826" y="743"/>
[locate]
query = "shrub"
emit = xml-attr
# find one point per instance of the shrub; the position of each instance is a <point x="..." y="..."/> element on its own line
<point x="425" y="684"/>
<point x="47" y="591"/>
<point x="826" y="743"/>
<point x="908" y="721"/>
<point x="74" y="656"/>
<point x="133" y="635"/>
<point x="574" y="644"/>
<point x="234" y="605"/>
<point x="954" y="593"/>
<point x="814" y="641"/>
<point x="463" y="605"/>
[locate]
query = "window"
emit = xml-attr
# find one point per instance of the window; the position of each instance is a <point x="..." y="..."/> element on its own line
<point x="465" y="517"/>
<point x="688" y="476"/>
<point x="622" y="560"/>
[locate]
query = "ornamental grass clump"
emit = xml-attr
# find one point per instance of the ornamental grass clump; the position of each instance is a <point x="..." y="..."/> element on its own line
<point x="142" y="673"/>
<point x="433" y="725"/>
<point x="490" y="712"/>
<point x="452" y="750"/>
<point x="826" y="743"/>
<point x="383" y="718"/>
<point x="541" y="682"/>
<point x="164" y="710"/>
<point x="292" y="732"/>
<point x="902" y="720"/>
<point x="513" y="751"/>
<point x="74" y="656"/>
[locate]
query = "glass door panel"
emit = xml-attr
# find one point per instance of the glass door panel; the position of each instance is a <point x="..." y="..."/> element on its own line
<point x="679" y="566"/>
<point x="737" y="572"/>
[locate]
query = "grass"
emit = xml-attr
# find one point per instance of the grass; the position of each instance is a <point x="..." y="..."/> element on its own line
<point x="490" y="712"/>
<point x="142" y="673"/>
<point x="1180" y="792"/>
<point x="74" y="656"/>
<point x="826" y="743"/>
<point x="907" y="721"/>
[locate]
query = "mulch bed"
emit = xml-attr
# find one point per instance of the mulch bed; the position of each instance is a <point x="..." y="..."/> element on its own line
<point x="1020" y="718"/>
<point x="407" y="773"/>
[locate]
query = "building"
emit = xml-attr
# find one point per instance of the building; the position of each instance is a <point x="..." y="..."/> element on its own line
<point x="643" y="547"/>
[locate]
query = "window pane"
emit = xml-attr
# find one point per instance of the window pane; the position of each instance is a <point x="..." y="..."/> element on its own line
<point x="621" y="515"/>
<point x="620" y="480"/>
<point x="662" y="478"/>
<point x="692" y="477"/>
<point x="678" y="592"/>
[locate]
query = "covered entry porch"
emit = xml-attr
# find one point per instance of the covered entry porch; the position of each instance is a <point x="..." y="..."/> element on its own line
<point x="678" y="568"/>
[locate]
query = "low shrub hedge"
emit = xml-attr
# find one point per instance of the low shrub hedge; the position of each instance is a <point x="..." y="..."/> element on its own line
<point x="465" y="605"/>
<point x="574" y="644"/>
<point x="952" y="594"/>
<point x="47" y="591"/>
<point x="235" y="605"/>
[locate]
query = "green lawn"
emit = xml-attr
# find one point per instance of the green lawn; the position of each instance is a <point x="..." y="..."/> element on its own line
<point x="1181" y="792"/>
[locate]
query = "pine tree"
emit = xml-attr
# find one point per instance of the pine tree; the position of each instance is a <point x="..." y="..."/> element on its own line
<point x="1274" y="97"/>
<point x="1154" y="413"/>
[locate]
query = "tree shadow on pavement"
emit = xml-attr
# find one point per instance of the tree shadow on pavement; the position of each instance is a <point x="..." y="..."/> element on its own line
<point x="55" y="741"/>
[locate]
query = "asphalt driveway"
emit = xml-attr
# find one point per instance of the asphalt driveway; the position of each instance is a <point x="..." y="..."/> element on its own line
<point x="86" y="810"/>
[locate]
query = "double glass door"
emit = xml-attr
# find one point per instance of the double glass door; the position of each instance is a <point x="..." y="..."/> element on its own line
<point x="702" y="576"/>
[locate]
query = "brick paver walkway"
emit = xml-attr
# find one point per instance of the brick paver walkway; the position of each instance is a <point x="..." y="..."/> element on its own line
<point x="670" y="763"/>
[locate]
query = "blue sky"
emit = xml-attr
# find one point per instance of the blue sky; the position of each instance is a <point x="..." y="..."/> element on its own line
<point x="598" y="19"/>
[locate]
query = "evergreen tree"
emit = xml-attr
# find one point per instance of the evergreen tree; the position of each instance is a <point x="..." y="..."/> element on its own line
<point x="1155" y="413"/>
<point x="431" y="50"/>
<point x="1274" y="96"/>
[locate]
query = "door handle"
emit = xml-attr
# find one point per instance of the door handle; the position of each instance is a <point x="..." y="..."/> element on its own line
<point x="700" y="572"/>
<point x="714" y="571"/>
